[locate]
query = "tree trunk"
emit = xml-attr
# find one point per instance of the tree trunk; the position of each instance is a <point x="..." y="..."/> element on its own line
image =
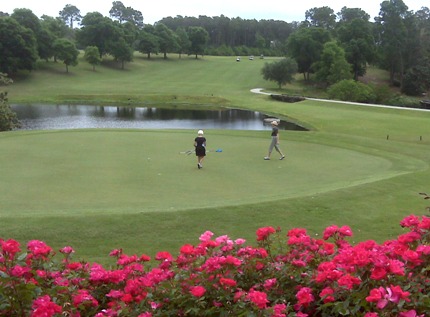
<point x="392" y="75"/>
<point x="401" y="71"/>
<point x="356" y="75"/>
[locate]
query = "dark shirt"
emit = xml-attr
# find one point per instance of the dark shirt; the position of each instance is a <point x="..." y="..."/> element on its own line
<point x="275" y="131"/>
<point x="200" y="141"/>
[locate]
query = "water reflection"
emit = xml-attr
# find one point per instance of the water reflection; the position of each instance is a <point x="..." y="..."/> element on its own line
<point x="43" y="117"/>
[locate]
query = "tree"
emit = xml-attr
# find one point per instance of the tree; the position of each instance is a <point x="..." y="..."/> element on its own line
<point x="355" y="35"/>
<point x="323" y="17"/>
<point x="281" y="72"/>
<point x="99" y="31"/>
<point x="8" y="118"/>
<point x="417" y="78"/>
<point x="18" y="47"/>
<point x="305" y="46"/>
<point x="92" y="56"/>
<point x="233" y="33"/>
<point x="347" y="15"/>
<point x="69" y="14"/>
<point x="66" y="51"/>
<point x="129" y="32"/>
<point x="332" y="67"/>
<point x="183" y="41"/>
<point x="44" y="38"/>
<point x="121" y="52"/>
<point x="415" y="48"/>
<point x="52" y="29"/>
<point x="126" y="14"/>
<point x="137" y="18"/>
<point x="117" y="11"/>
<point x="423" y="22"/>
<point x="260" y="42"/>
<point x="45" y="31"/>
<point x="393" y="37"/>
<point x="44" y="44"/>
<point x="147" y="42"/>
<point x="198" y="37"/>
<point x="56" y="26"/>
<point x="167" y="39"/>
<point x="26" y="18"/>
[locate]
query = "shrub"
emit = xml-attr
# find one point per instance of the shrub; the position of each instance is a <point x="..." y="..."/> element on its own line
<point x="413" y="84"/>
<point x="404" y="101"/>
<point x="383" y="93"/>
<point x="417" y="79"/>
<point x="8" y="118"/>
<point x="291" y="275"/>
<point x="222" y="50"/>
<point x="281" y="72"/>
<point x="351" y="90"/>
<point x="241" y="50"/>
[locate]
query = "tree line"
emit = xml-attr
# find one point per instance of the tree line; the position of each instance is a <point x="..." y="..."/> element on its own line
<point x="326" y="46"/>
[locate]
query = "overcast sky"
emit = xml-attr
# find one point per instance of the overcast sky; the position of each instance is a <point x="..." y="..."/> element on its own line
<point x="155" y="10"/>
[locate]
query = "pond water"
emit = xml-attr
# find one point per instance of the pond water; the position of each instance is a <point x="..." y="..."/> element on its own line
<point x="48" y="117"/>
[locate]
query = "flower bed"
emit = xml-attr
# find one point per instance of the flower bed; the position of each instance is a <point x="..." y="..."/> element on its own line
<point x="284" y="275"/>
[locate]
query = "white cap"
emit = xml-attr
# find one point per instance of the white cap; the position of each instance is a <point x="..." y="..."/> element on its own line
<point x="200" y="132"/>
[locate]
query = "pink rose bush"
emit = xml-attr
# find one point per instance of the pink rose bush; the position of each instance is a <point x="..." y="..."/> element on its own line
<point x="283" y="275"/>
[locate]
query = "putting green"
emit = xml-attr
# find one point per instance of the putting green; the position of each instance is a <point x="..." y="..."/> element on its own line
<point x="123" y="171"/>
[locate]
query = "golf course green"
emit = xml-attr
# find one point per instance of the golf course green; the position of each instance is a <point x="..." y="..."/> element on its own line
<point x="100" y="189"/>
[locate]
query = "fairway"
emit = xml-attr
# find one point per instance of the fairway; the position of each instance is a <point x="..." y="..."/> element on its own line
<point x="134" y="171"/>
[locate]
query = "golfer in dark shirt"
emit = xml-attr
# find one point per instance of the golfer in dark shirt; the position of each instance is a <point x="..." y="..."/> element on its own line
<point x="200" y="146"/>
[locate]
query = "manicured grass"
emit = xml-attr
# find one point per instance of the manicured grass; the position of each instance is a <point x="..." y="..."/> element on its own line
<point x="102" y="189"/>
<point x="210" y="79"/>
<point x="130" y="171"/>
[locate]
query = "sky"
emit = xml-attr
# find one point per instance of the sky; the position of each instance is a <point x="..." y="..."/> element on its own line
<point x="155" y="10"/>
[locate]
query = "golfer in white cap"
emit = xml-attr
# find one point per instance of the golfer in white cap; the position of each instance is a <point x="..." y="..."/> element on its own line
<point x="275" y="141"/>
<point x="200" y="147"/>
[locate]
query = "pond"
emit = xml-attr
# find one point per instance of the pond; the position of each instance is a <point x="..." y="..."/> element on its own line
<point x="47" y="117"/>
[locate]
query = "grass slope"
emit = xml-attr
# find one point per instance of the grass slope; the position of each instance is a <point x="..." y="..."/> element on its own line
<point x="102" y="189"/>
